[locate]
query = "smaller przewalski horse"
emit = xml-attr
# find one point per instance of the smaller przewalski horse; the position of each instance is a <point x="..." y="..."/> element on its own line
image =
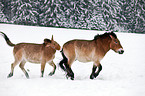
<point x="89" y="50"/>
<point x="34" y="53"/>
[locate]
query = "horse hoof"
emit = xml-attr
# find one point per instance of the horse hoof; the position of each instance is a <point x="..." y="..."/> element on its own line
<point x="10" y="75"/>
<point x="51" y="73"/>
<point x="72" y="78"/>
<point x="41" y="76"/>
<point x="27" y="75"/>
<point x="92" y="77"/>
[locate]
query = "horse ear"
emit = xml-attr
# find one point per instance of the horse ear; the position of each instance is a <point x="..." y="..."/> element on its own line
<point x="47" y="45"/>
<point x="111" y="36"/>
<point x="52" y="38"/>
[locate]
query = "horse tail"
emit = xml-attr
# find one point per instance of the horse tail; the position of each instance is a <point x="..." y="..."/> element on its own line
<point x="7" y="39"/>
<point x="63" y="62"/>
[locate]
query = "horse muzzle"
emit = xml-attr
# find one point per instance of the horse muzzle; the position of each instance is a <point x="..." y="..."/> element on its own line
<point x="120" y="51"/>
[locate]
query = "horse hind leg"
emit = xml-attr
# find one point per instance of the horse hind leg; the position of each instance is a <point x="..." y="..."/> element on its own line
<point x="12" y="68"/>
<point x="18" y="59"/>
<point x="68" y="68"/>
<point x="22" y="64"/>
<point x="61" y="64"/>
<point x="69" y="72"/>
<point x="54" y="68"/>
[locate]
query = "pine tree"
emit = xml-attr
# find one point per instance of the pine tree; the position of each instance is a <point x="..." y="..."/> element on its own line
<point x="95" y="17"/>
<point x="23" y="12"/>
<point x="110" y="9"/>
<point x="48" y="13"/>
<point x="72" y="14"/>
<point x="3" y="18"/>
<point x="66" y="13"/>
<point x="133" y="11"/>
<point x="140" y="16"/>
<point x="114" y="15"/>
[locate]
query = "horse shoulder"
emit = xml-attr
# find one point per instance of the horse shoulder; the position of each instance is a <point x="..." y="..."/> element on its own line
<point x="48" y="53"/>
<point x="100" y="49"/>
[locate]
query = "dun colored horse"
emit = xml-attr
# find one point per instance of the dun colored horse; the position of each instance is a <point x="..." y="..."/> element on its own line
<point x="89" y="50"/>
<point x="34" y="53"/>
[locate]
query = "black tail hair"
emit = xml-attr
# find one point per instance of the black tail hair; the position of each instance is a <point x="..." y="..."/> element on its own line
<point x="63" y="62"/>
<point x="64" y="65"/>
<point x="7" y="39"/>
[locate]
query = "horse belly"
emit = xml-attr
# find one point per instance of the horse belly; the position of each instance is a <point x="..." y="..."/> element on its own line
<point x="33" y="58"/>
<point x="85" y="56"/>
<point x="84" y="59"/>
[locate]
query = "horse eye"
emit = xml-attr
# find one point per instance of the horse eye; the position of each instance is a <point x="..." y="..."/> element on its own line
<point x="116" y="42"/>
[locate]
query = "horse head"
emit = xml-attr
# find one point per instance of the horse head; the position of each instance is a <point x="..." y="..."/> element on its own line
<point x="115" y="44"/>
<point x="52" y="43"/>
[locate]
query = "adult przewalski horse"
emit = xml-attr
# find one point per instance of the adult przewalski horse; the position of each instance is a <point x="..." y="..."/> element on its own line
<point x="89" y="50"/>
<point x="34" y="53"/>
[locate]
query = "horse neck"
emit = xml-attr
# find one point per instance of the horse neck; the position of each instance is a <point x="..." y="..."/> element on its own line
<point x="103" y="44"/>
<point x="49" y="50"/>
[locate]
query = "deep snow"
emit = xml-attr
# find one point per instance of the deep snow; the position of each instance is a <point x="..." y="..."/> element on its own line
<point x="122" y="75"/>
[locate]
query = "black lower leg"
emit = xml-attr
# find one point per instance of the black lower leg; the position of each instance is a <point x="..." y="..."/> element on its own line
<point x="69" y="72"/>
<point x="61" y="65"/>
<point x="10" y="75"/>
<point x="42" y="72"/>
<point x="93" y="72"/>
<point x="99" y="69"/>
<point x="27" y="75"/>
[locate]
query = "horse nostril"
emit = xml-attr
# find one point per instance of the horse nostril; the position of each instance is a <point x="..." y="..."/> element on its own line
<point x="121" y="52"/>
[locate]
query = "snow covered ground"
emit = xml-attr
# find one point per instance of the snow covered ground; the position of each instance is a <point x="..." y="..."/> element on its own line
<point x="122" y="75"/>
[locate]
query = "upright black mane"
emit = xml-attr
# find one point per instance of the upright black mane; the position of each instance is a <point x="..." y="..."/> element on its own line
<point x="46" y="41"/>
<point x="105" y="35"/>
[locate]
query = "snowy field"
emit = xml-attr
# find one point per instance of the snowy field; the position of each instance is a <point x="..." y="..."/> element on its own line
<point x="122" y="75"/>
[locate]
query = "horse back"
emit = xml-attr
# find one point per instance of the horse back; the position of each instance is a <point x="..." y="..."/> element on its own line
<point x="35" y="53"/>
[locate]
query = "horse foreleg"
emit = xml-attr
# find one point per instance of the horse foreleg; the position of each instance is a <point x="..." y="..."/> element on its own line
<point x="23" y="69"/>
<point x="99" y="69"/>
<point x="93" y="72"/>
<point x="94" y="75"/>
<point x="54" y="68"/>
<point x="42" y="68"/>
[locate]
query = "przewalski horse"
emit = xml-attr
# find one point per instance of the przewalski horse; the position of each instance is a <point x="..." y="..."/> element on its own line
<point x="34" y="53"/>
<point x="89" y="50"/>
